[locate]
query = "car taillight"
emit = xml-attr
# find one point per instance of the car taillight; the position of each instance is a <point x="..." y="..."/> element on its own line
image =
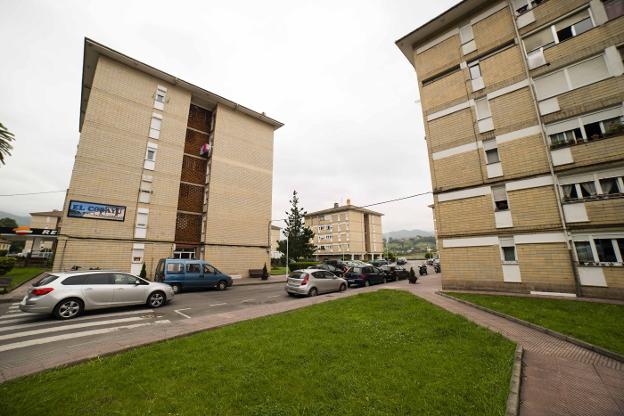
<point x="305" y="280"/>
<point x="42" y="291"/>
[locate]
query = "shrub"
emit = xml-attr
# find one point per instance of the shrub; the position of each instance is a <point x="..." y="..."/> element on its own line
<point x="143" y="273"/>
<point x="6" y="264"/>
<point x="3" y="253"/>
<point x="301" y="265"/>
<point x="265" y="273"/>
<point x="428" y="255"/>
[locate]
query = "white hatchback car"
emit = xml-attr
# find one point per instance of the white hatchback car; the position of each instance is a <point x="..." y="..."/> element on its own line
<point x="67" y="294"/>
<point x="311" y="282"/>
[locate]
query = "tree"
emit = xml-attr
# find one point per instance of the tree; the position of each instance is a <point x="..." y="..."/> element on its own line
<point x="298" y="235"/>
<point x="6" y="137"/>
<point x="8" y="222"/>
<point x="143" y="273"/>
<point x="265" y="273"/>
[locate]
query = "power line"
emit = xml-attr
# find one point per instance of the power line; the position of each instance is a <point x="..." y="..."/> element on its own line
<point x="35" y="193"/>
<point x="395" y="199"/>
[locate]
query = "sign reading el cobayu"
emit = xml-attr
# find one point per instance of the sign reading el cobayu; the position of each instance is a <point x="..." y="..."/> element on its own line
<point x="81" y="209"/>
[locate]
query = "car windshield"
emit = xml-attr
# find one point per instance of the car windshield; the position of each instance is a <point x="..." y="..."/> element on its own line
<point x="296" y="275"/>
<point x="48" y="278"/>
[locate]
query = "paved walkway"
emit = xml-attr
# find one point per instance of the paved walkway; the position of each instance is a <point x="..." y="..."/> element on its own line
<point x="559" y="378"/>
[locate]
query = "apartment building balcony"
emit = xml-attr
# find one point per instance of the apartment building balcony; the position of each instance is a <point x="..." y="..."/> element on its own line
<point x="532" y="14"/>
<point x="600" y="262"/>
<point x="595" y="211"/>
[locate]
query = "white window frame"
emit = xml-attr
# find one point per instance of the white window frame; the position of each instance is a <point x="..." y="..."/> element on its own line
<point x="489" y="145"/>
<point x="160" y="92"/>
<point x="594" y="177"/>
<point x="566" y="74"/>
<point x="150" y="162"/>
<point x="155" y="126"/>
<point x="553" y="29"/>
<point x="590" y="239"/>
<point x="508" y="242"/>
<point x="579" y="122"/>
<point x="506" y="196"/>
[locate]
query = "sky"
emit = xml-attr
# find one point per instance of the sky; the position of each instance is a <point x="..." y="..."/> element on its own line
<point x="329" y="70"/>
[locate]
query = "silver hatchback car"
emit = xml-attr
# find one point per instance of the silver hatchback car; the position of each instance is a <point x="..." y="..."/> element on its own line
<point x="67" y="294"/>
<point x="311" y="282"/>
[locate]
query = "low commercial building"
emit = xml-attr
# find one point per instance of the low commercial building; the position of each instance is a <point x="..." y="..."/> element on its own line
<point x="346" y="232"/>
<point x="524" y="117"/>
<point x="47" y="220"/>
<point x="164" y="168"/>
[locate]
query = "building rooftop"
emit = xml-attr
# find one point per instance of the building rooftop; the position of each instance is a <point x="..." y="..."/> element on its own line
<point x="343" y="208"/>
<point x="93" y="50"/>
<point x="452" y="16"/>
<point x="53" y="213"/>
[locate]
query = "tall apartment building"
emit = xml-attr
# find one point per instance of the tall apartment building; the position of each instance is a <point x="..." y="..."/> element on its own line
<point x="347" y="232"/>
<point x="523" y="108"/>
<point x="164" y="169"/>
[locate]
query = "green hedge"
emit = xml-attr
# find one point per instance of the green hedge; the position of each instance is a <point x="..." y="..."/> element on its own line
<point x="6" y="264"/>
<point x="302" y="265"/>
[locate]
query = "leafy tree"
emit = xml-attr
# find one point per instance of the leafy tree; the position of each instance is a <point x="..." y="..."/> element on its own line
<point x="299" y="236"/>
<point x="6" y="137"/>
<point x="7" y="222"/>
<point x="428" y="255"/>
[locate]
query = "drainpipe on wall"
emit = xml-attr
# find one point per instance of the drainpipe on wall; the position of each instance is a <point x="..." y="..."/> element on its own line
<point x="577" y="283"/>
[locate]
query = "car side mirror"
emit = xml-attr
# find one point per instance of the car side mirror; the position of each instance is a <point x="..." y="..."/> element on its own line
<point x="137" y="282"/>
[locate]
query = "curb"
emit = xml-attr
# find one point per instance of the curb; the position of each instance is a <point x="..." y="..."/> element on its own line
<point x="515" y="384"/>
<point x="257" y="284"/>
<point x="583" y="344"/>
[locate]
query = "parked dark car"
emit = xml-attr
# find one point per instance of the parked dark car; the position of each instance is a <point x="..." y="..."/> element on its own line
<point x="328" y="267"/>
<point x="364" y="276"/>
<point x="394" y="273"/>
<point x="379" y="262"/>
<point x="339" y="264"/>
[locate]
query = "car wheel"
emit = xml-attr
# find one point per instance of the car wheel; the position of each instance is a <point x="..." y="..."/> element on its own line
<point x="176" y="288"/>
<point x="68" y="309"/>
<point x="313" y="292"/>
<point x="343" y="287"/>
<point x="222" y="285"/>
<point x="366" y="283"/>
<point x="156" y="299"/>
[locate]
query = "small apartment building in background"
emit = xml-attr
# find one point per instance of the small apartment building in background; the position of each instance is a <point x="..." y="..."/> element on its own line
<point x="48" y="220"/>
<point x="164" y="169"/>
<point x="276" y="235"/>
<point x="347" y="232"/>
<point x="523" y="102"/>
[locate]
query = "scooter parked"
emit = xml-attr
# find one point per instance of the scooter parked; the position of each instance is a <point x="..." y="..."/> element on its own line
<point x="437" y="268"/>
<point x="422" y="269"/>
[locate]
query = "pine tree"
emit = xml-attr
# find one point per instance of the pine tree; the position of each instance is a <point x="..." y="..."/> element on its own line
<point x="299" y="236"/>
<point x="143" y="273"/>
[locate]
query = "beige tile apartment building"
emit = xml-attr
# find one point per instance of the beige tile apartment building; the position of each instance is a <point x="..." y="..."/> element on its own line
<point x="347" y="232"/>
<point x="164" y="169"/>
<point x="523" y="108"/>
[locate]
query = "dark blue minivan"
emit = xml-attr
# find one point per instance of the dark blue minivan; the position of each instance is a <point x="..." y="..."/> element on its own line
<point x="183" y="274"/>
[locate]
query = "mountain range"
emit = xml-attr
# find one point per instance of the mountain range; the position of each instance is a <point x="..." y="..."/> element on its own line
<point x="408" y="234"/>
<point x="20" y="219"/>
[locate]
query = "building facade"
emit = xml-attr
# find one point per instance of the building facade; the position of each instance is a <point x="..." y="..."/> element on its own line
<point x="346" y="232"/>
<point x="164" y="169"/>
<point x="523" y="104"/>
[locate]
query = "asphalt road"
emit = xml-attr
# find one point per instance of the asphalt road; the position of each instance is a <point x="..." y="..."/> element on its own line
<point x="26" y="337"/>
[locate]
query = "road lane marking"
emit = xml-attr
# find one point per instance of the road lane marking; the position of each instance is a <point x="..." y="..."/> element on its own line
<point x="276" y="296"/>
<point x="218" y="304"/>
<point x="47" y="340"/>
<point x="67" y="327"/>
<point x="183" y="314"/>
<point x="14" y="307"/>
<point x="248" y="300"/>
<point x="81" y="318"/>
<point x="24" y="315"/>
<point x="14" y="311"/>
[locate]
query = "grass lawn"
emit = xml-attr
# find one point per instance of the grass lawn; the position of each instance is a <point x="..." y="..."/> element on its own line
<point x="597" y="323"/>
<point x="380" y="353"/>
<point x="19" y="275"/>
<point x="277" y="271"/>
